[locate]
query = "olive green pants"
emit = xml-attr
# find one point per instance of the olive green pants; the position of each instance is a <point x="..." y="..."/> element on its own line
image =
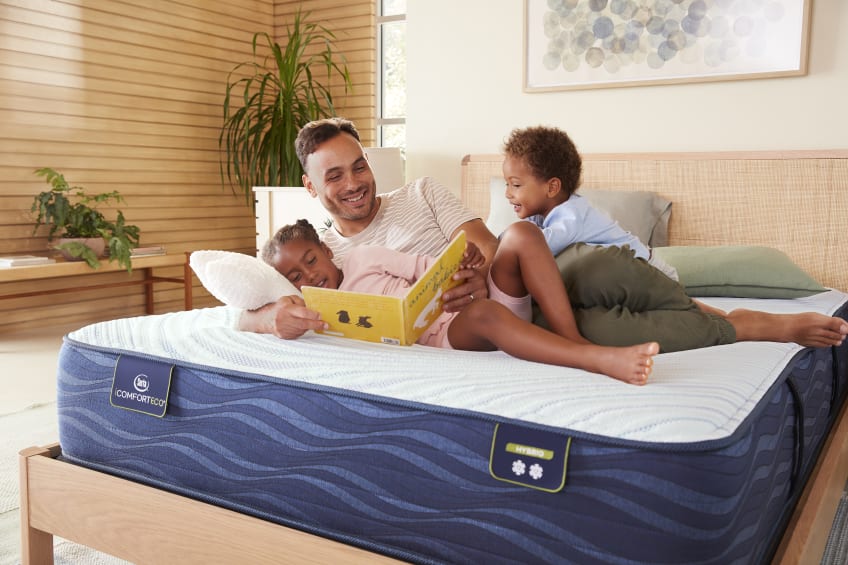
<point x="620" y="300"/>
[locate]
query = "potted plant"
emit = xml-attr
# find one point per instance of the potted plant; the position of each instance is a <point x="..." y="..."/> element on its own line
<point x="72" y="214"/>
<point x="269" y="99"/>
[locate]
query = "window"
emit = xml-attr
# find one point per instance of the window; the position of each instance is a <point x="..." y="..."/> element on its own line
<point x="391" y="75"/>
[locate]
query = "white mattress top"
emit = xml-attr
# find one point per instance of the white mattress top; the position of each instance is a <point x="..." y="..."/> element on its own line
<point x="692" y="396"/>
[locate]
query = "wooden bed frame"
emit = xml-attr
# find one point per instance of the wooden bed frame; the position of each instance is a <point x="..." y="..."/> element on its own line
<point x="796" y="201"/>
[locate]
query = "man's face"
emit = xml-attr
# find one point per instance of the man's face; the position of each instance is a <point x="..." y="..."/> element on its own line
<point x="339" y="174"/>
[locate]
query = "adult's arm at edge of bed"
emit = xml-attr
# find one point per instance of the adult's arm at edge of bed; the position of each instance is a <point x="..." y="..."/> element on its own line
<point x="287" y="318"/>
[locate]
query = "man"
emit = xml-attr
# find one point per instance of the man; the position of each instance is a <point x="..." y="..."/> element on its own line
<point x="421" y="217"/>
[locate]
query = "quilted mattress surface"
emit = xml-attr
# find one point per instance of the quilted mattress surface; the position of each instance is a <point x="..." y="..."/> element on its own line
<point x="693" y="396"/>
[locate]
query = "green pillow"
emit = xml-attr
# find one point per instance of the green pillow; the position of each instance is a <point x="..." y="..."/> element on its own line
<point x="744" y="271"/>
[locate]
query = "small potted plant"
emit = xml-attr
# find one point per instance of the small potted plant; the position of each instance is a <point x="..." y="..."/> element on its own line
<point x="84" y="231"/>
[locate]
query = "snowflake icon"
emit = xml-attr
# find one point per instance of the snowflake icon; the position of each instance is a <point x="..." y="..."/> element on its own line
<point x="518" y="467"/>
<point x="536" y="471"/>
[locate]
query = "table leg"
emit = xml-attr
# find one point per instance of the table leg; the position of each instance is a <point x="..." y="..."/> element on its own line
<point x="148" y="291"/>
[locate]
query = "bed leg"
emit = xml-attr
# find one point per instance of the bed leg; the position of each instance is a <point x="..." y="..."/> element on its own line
<point x="36" y="545"/>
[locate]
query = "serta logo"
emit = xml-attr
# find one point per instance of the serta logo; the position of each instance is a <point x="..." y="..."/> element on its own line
<point x="141" y="383"/>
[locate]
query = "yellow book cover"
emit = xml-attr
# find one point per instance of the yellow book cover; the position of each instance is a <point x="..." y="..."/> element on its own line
<point x="389" y="319"/>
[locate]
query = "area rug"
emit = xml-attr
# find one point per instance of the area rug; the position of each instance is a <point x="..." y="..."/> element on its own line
<point x="34" y="426"/>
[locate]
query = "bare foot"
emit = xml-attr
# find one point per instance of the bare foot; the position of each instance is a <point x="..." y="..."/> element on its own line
<point x="809" y="329"/>
<point x="631" y="364"/>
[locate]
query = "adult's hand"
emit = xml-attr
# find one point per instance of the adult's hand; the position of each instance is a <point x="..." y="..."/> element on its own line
<point x="473" y="287"/>
<point x="287" y="318"/>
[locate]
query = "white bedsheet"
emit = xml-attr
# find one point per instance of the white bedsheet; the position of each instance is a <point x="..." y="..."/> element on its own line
<point x="692" y="396"/>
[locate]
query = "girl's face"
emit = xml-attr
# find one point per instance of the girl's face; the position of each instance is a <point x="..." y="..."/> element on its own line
<point x="528" y="194"/>
<point x="306" y="263"/>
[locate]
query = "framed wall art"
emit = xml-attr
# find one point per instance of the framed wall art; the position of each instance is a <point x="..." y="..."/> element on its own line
<point x="575" y="44"/>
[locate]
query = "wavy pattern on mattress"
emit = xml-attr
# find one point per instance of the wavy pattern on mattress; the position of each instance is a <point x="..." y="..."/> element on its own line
<point x="412" y="480"/>
<point x="694" y="396"/>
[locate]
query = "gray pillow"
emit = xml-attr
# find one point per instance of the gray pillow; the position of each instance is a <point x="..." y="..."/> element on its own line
<point x="746" y="271"/>
<point x="643" y="213"/>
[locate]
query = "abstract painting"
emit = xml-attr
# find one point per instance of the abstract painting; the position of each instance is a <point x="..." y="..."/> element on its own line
<point x="571" y="44"/>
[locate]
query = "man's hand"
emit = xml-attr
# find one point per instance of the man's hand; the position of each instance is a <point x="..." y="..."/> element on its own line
<point x="472" y="288"/>
<point x="287" y="318"/>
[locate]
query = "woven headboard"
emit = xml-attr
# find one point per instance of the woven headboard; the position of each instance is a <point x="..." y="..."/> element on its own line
<point x="796" y="201"/>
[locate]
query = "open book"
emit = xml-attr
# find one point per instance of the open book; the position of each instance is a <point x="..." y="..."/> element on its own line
<point x="389" y="319"/>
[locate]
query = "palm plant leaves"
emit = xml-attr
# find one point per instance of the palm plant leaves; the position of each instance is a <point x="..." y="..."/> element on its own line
<point x="269" y="99"/>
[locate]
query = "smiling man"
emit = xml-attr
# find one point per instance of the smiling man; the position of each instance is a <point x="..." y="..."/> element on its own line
<point x="421" y="217"/>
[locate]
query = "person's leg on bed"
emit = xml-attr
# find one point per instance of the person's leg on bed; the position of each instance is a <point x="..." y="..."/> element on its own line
<point x="485" y="325"/>
<point x="523" y="265"/>
<point x="674" y="330"/>
<point x="612" y="277"/>
<point x="809" y="329"/>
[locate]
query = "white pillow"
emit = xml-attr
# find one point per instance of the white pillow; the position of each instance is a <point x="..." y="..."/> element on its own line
<point x="501" y="213"/>
<point x="240" y="280"/>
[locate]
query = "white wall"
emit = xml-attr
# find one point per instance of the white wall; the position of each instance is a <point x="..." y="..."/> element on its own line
<point x="465" y="95"/>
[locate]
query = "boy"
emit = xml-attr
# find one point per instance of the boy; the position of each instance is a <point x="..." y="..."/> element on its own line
<point x="618" y="299"/>
<point x="542" y="169"/>
<point x="522" y="266"/>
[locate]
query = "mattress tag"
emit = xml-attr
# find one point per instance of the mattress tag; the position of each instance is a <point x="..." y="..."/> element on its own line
<point x="141" y="385"/>
<point x="528" y="457"/>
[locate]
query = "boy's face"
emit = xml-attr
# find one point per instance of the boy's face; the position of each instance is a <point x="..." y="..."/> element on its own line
<point x="528" y="194"/>
<point x="338" y="173"/>
<point x="306" y="263"/>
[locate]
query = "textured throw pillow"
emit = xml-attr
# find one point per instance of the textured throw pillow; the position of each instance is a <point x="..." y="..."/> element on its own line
<point x="240" y="280"/>
<point x="739" y="270"/>
<point x="644" y="214"/>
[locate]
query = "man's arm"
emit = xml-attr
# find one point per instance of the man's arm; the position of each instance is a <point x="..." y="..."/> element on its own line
<point x="287" y="318"/>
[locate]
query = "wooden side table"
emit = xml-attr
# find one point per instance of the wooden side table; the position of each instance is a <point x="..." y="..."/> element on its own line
<point x="69" y="269"/>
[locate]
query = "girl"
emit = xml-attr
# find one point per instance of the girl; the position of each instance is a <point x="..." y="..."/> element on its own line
<point x="522" y="267"/>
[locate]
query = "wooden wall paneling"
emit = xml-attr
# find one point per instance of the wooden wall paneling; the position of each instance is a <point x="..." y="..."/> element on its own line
<point x="126" y="95"/>
<point x="121" y="95"/>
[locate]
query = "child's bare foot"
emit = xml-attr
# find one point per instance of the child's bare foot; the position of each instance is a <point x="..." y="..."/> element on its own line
<point x="809" y="329"/>
<point x="631" y="364"/>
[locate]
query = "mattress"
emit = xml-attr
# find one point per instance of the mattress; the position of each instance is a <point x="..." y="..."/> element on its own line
<point x="438" y="456"/>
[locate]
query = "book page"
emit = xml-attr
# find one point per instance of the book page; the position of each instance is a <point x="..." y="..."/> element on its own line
<point x="389" y="319"/>
<point x="423" y="301"/>
<point x="357" y="315"/>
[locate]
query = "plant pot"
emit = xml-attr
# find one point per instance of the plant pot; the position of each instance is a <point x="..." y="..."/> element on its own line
<point x="96" y="244"/>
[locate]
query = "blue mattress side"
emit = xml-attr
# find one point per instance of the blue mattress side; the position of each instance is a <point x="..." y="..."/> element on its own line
<point x="412" y="481"/>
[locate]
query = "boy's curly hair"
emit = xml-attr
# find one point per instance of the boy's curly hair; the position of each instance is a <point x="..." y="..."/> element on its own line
<point x="300" y="230"/>
<point x="549" y="153"/>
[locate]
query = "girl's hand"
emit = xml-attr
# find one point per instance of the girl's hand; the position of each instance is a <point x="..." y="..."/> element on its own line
<point x="473" y="258"/>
